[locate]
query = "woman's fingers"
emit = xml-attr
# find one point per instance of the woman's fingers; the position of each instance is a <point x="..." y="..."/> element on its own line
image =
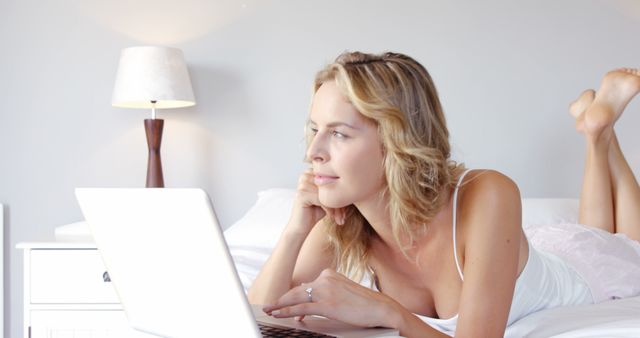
<point x="342" y="213"/>
<point x="308" y="191"/>
<point x="307" y="211"/>
<point x="298" y="302"/>
<point x="334" y="296"/>
<point x="331" y="212"/>
<point x="298" y="310"/>
<point x="297" y="295"/>
<point x="337" y="214"/>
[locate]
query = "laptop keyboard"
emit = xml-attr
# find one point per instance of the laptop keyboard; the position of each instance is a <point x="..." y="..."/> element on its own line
<point x="273" y="331"/>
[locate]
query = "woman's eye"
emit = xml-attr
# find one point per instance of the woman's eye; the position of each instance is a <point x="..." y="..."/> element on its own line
<point x="313" y="130"/>
<point x="338" y="134"/>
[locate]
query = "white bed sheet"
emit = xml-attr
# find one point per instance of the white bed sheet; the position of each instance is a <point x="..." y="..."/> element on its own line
<point x="615" y="318"/>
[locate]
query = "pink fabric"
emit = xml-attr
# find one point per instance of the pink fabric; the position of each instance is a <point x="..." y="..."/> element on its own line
<point x="610" y="264"/>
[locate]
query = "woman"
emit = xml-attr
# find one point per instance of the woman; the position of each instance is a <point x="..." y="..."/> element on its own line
<point x="443" y="245"/>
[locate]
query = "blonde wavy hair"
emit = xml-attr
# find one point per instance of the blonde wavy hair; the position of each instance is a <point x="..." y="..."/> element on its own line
<point x="398" y="95"/>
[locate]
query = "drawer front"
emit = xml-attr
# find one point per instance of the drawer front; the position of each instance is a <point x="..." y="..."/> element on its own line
<point x="82" y="324"/>
<point x="69" y="276"/>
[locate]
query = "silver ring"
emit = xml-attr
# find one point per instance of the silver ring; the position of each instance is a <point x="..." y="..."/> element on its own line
<point x="309" y="290"/>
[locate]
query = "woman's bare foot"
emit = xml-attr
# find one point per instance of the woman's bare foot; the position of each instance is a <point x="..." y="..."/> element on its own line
<point x="616" y="90"/>
<point x="579" y="106"/>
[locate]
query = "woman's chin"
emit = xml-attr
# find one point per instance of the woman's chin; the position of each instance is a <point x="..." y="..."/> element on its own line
<point x="334" y="205"/>
<point x="332" y="202"/>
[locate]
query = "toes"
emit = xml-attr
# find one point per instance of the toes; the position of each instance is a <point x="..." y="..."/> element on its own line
<point x="573" y="111"/>
<point x="634" y="71"/>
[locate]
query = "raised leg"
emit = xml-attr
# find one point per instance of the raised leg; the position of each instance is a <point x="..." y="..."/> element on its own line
<point x="626" y="193"/>
<point x="609" y="189"/>
<point x="596" y="196"/>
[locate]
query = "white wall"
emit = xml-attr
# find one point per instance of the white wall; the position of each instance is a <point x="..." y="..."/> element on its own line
<point x="506" y="71"/>
<point x="2" y="265"/>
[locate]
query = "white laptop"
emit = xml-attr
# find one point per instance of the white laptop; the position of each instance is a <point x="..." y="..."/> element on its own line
<point x="169" y="263"/>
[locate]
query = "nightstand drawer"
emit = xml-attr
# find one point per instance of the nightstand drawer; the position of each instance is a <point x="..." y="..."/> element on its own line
<point x="69" y="276"/>
<point x="76" y="324"/>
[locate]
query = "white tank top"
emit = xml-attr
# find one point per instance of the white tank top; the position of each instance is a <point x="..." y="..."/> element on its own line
<point x="545" y="282"/>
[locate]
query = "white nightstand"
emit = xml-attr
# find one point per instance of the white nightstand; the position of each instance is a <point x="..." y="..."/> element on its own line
<point x="67" y="294"/>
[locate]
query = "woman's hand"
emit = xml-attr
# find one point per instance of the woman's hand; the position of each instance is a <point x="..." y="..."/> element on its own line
<point x="334" y="296"/>
<point x="307" y="209"/>
<point x="302" y="250"/>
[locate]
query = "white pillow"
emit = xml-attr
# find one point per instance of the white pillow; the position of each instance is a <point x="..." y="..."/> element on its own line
<point x="252" y="238"/>
<point x="262" y="225"/>
<point x="549" y="211"/>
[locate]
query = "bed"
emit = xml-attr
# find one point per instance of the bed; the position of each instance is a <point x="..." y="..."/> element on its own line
<point x="253" y="236"/>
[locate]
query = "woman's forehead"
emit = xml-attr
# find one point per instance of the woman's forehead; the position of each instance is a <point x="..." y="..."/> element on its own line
<point x="329" y="105"/>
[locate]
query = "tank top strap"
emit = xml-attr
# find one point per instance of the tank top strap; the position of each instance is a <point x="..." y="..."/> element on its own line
<point x="455" y="214"/>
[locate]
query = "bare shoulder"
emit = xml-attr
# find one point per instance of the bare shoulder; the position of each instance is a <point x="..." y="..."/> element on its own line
<point x="489" y="195"/>
<point x="487" y="185"/>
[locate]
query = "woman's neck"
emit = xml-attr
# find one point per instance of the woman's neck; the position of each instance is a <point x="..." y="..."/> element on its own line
<point x="376" y="212"/>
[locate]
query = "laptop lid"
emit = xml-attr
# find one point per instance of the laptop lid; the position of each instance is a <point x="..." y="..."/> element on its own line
<point x="166" y="255"/>
<point x="170" y="265"/>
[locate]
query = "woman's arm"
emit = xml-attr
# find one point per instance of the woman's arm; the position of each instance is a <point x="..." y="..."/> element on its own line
<point x="301" y="252"/>
<point x="492" y="233"/>
<point x="337" y="297"/>
<point x="296" y="258"/>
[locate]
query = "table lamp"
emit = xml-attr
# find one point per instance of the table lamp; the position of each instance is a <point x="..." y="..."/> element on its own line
<point x="157" y="78"/>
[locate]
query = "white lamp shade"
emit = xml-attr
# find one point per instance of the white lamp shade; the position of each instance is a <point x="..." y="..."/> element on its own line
<point x="150" y="73"/>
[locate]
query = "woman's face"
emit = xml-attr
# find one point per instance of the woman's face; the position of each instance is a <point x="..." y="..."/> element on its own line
<point x="345" y="150"/>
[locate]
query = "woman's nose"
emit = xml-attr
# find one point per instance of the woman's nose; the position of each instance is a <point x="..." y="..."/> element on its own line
<point x="316" y="151"/>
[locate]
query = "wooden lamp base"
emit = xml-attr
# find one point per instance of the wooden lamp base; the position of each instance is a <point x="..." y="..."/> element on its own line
<point x="153" y="129"/>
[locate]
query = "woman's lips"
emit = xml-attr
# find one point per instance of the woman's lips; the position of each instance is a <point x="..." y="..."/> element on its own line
<point x="324" y="179"/>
